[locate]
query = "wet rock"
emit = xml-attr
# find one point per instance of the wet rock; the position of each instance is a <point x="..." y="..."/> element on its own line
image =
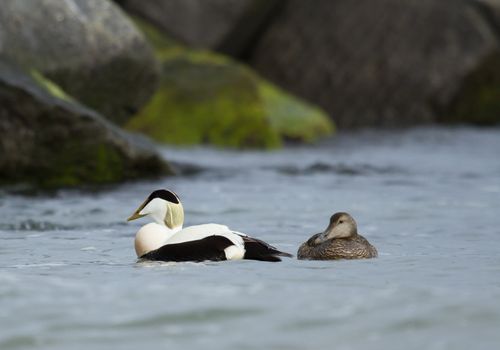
<point x="491" y="12"/>
<point x="88" y="47"/>
<point x="198" y="23"/>
<point x="385" y="62"/>
<point x="229" y="26"/>
<point x="205" y="98"/>
<point x="478" y="97"/>
<point x="48" y="140"/>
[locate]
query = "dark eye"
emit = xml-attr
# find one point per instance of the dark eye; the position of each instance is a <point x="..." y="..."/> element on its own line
<point x="341" y="221"/>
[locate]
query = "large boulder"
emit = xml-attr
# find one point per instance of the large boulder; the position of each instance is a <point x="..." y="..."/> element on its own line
<point x="209" y="98"/>
<point x="48" y="140"/>
<point x="88" y="47"/>
<point x="478" y="98"/>
<point x="229" y="26"/>
<point x="491" y="12"/>
<point x="384" y="62"/>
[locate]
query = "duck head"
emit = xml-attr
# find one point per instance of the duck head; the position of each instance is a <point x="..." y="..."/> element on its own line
<point x="164" y="207"/>
<point x="342" y="225"/>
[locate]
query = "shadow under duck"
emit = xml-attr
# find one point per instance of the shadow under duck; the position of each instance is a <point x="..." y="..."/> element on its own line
<point x="340" y="240"/>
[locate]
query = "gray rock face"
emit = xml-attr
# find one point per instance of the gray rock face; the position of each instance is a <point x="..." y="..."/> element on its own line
<point x="228" y="26"/>
<point x="492" y="9"/>
<point x="199" y="23"/>
<point x="88" y="47"/>
<point x="50" y="142"/>
<point x="378" y="63"/>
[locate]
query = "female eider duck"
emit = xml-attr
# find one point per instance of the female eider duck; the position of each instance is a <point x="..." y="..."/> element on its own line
<point x="166" y="240"/>
<point x="340" y="240"/>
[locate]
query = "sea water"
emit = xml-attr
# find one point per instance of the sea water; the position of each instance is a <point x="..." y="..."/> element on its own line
<point x="428" y="199"/>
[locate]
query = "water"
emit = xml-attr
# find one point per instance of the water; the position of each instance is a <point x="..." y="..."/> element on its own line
<point x="428" y="199"/>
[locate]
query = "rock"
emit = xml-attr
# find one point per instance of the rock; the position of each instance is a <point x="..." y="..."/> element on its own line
<point x="491" y="12"/>
<point x="478" y="98"/>
<point x="380" y="63"/>
<point x="198" y="23"/>
<point x="205" y="98"/>
<point x="294" y="120"/>
<point x="229" y="26"/>
<point x="48" y="140"/>
<point x="88" y="47"/>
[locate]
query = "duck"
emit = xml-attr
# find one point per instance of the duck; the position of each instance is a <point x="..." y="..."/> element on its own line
<point x="165" y="239"/>
<point x="340" y="240"/>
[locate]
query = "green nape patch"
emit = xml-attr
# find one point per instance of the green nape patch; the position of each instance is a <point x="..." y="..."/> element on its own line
<point x="478" y="101"/>
<point x="50" y="86"/>
<point x="208" y="98"/>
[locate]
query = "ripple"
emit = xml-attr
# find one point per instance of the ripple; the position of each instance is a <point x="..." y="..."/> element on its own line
<point x="192" y="317"/>
<point x="445" y="315"/>
<point x="187" y="169"/>
<point x="19" y="342"/>
<point x="89" y="248"/>
<point x="415" y="323"/>
<point x="339" y="169"/>
<point x="149" y="264"/>
<point x="181" y="319"/>
<point x="310" y="324"/>
<point x="24" y="266"/>
<point x="34" y="225"/>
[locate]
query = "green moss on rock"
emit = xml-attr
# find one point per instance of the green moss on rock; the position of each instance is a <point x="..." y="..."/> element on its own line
<point x="207" y="98"/>
<point x="206" y="102"/>
<point x="49" y="140"/>
<point x="478" y="101"/>
<point x="100" y="164"/>
<point x="49" y="86"/>
<point x="292" y="118"/>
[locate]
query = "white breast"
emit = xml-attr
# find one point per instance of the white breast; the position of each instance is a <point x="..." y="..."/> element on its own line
<point x="151" y="237"/>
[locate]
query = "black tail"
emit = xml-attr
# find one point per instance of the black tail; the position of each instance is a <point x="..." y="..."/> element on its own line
<point x="255" y="249"/>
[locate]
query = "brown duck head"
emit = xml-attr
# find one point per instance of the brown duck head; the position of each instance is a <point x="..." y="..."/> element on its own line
<point x="342" y="225"/>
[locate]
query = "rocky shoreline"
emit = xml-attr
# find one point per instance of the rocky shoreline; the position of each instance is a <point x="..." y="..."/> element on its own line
<point x="49" y="140"/>
<point x="383" y="63"/>
<point x="195" y="72"/>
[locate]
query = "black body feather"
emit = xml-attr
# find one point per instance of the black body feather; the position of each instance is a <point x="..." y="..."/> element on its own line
<point x="255" y="249"/>
<point x="212" y="248"/>
<point x="208" y="248"/>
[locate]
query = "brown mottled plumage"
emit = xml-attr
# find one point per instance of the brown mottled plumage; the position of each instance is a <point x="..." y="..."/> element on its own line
<point x="340" y="240"/>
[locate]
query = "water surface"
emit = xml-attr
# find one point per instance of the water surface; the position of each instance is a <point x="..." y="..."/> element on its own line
<point x="428" y="199"/>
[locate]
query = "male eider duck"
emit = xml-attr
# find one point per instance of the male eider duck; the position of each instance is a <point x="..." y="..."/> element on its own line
<point x="166" y="240"/>
<point x="340" y="240"/>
